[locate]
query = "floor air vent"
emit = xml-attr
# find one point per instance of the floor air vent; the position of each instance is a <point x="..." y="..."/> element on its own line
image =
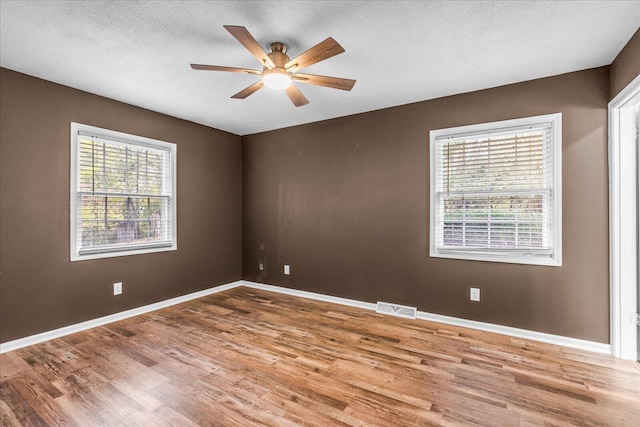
<point x="396" y="310"/>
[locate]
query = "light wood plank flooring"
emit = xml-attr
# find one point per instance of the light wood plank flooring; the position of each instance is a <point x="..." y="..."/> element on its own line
<point x="246" y="357"/>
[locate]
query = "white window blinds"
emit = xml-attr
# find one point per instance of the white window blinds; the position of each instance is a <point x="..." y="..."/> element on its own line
<point x="494" y="191"/>
<point x="123" y="195"/>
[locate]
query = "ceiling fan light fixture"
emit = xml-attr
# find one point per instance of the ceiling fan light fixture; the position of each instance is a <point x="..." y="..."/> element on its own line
<point x="276" y="79"/>
<point x="279" y="71"/>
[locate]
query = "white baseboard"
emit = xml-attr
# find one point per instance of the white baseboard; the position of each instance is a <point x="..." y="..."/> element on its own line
<point x="560" y="340"/>
<point x="488" y="327"/>
<point x="455" y="321"/>
<point x="72" y="329"/>
<point x="310" y="295"/>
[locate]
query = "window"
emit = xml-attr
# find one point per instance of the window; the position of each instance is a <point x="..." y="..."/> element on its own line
<point x="496" y="191"/>
<point x="123" y="194"/>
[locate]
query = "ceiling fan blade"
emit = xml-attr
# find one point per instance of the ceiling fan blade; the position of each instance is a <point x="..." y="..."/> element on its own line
<point x="296" y="96"/>
<point x="320" y="52"/>
<point x="333" y="82"/>
<point x="247" y="40"/>
<point x="249" y="90"/>
<point x="219" y="68"/>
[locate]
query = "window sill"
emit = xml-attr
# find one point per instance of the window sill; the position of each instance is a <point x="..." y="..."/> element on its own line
<point x="118" y="253"/>
<point x="532" y="259"/>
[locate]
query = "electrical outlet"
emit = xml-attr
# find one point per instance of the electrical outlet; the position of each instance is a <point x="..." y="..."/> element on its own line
<point x="286" y="269"/>
<point x="117" y="288"/>
<point x="474" y="294"/>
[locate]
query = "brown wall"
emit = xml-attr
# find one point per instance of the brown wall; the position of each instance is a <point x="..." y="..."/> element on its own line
<point x="40" y="288"/>
<point x="345" y="203"/>
<point x="626" y="66"/>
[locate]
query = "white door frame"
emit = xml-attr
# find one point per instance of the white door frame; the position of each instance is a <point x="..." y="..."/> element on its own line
<point x="623" y="247"/>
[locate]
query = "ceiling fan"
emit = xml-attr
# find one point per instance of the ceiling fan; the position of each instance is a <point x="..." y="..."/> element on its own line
<point x="279" y="71"/>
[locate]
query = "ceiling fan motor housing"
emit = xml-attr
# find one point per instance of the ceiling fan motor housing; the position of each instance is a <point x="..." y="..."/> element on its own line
<point x="278" y="55"/>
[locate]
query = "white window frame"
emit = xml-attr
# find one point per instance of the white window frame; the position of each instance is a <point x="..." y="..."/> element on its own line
<point x="76" y="252"/>
<point x="506" y="256"/>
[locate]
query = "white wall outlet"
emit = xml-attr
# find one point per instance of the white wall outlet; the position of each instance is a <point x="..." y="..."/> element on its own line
<point x="474" y="294"/>
<point x="286" y="269"/>
<point x="117" y="288"/>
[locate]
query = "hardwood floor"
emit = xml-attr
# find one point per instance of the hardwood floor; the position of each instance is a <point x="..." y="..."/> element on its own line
<point x="246" y="357"/>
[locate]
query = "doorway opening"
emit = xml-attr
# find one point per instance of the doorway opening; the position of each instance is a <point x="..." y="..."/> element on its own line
<point x="624" y="183"/>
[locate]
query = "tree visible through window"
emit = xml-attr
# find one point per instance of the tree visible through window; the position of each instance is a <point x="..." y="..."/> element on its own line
<point x="495" y="191"/>
<point x="123" y="194"/>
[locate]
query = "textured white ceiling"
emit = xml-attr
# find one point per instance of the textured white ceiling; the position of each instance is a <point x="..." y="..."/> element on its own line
<point x="399" y="52"/>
